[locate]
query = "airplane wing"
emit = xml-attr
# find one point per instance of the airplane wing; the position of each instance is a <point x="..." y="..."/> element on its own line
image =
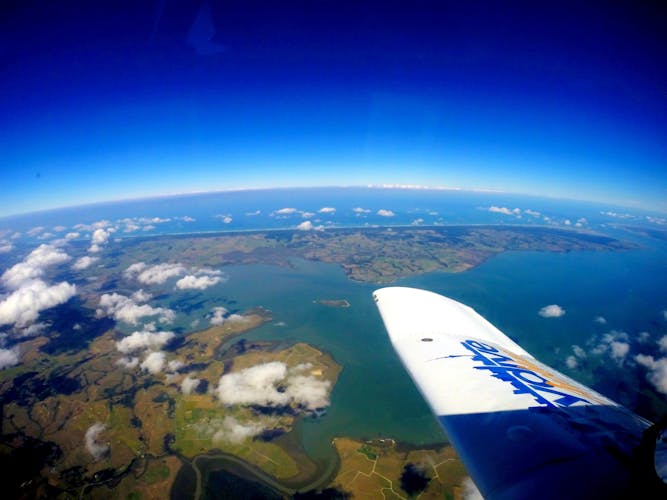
<point x="522" y="429"/>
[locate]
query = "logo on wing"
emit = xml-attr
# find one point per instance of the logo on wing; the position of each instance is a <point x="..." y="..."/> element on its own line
<point x="545" y="386"/>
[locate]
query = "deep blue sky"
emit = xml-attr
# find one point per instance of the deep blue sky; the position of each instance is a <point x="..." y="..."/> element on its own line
<point x="106" y="100"/>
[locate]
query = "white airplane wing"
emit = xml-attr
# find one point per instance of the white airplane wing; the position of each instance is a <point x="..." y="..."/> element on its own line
<point x="522" y="429"/>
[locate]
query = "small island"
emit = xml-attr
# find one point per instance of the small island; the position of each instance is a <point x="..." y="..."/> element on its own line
<point x="340" y="303"/>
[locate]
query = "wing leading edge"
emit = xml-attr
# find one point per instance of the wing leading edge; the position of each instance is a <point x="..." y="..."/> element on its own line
<point x="522" y="429"/>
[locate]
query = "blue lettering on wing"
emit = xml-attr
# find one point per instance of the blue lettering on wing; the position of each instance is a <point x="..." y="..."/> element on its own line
<point x="523" y="379"/>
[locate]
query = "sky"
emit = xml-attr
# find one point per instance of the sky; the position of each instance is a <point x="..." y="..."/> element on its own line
<point x="114" y="100"/>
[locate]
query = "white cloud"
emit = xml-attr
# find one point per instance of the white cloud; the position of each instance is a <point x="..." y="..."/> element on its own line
<point x="23" y="306"/>
<point x="305" y="226"/>
<point x="235" y="432"/>
<point x="187" y="218"/>
<point x="175" y="365"/>
<point x="327" y="210"/>
<point x="191" y="282"/>
<point x="662" y="343"/>
<point x="571" y="362"/>
<point x="503" y="210"/>
<point x="96" y="449"/>
<point x="141" y="296"/>
<point x="142" y="340"/>
<point x="578" y="351"/>
<point x="258" y="385"/>
<point x="552" y="311"/>
<point x="33" y="266"/>
<point x="71" y="236"/>
<point x="252" y="214"/>
<point x="385" y="213"/>
<point x="125" y="309"/>
<point x="285" y="211"/>
<point x="84" y="262"/>
<point x="6" y="247"/>
<point x="35" y="230"/>
<point x="189" y="384"/>
<point x="154" y="275"/>
<point x="35" y="329"/>
<point x="643" y="337"/>
<point x="218" y="317"/>
<point x="619" y="350"/>
<point x="9" y="357"/>
<point x="128" y="362"/>
<point x="226" y="219"/>
<point x="657" y="371"/>
<point x="99" y="237"/>
<point x="532" y="213"/>
<point x="359" y="210"/>
<point x="470" y="491"/>
<point x="600" y="320"/>
<point x="154" y="362"/>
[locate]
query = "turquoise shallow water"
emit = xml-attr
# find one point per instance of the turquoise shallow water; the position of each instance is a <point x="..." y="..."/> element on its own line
<point x="374" y="396"/>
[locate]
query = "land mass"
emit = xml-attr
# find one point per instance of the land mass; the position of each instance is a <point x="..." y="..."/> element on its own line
<point x="374" y="255"/>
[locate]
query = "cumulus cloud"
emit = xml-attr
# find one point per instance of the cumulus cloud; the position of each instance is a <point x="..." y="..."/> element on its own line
<point x="94" y="447"/>
<point x="142" y="340"/>
<point x="175" y="365"/>
<point x="505" y="210"/>
<point x="657" y="371"/>
<point x="619" y="350"/>
<point x="23" y="306"/>
<point x="84" y="262"/>
<point x="226" y="219"/>
<point x="258" y="385"/>
<point x="154" y="275"/>
<point x="191" y="282"/>
<point x="232" y="431"/>
<point x="305" y="226"/>
<point x="551" y="311"/>
<point x="125" y="309"/>
<point x="35" y="230"/>
<point x="532" y="213"/>
<point x="72" y="236"/>
<point x="128" y="362"/>
<point x="385" y="213"/>
<point x="285" y="211"/>
<point x="571" y="362"/>
<point x="189" y="384"/>
<point x="9" y="357"/>
<point x="99" y="238"/>
<point x="6" y="247"/>
<point x="600" y="320"/>
<point x="33" y="266"/>
<point x="359" y="210"/>
<point x="158" y="274"/>
<point x="662" y="343"/>
<point x="327" y="210"/>
<point x="218" y="317"/>
<point x="154" y="362"/>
